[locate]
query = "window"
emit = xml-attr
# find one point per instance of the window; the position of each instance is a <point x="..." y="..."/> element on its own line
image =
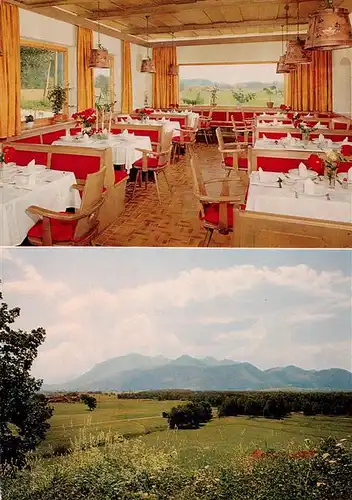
<point x="42" y="66"/>
<point x="231" y="84"/>
<point x="104" y="83"/>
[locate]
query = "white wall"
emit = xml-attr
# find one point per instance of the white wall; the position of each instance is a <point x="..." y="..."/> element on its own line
<point x="229" y="53"/>
<point x="142" y="82"/>
<point x="342" y="81"/>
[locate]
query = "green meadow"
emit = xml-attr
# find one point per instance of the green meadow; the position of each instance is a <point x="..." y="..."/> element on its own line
<point x="216" y="441"/>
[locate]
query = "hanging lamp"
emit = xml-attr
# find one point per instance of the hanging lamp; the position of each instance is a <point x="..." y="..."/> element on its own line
<point x="329" y="28"/>
<point x="173" y="70"/>
<point x="280" y="66"/>
<point x="286" y="67"/>
<point x="99" y="58"/>
<point x="295" y="53"/>
<point x="147" y="65"/>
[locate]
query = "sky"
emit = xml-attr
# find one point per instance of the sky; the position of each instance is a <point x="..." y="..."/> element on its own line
<point x="267" y="307"/>
<point x="232" y="74"/>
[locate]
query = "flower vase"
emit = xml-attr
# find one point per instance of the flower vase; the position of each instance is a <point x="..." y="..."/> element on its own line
<point x="306" y="139"/>
<point x="332" y="178"/>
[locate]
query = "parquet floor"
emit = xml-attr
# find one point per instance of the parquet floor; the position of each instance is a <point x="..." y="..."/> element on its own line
<point x="174" y="222"/>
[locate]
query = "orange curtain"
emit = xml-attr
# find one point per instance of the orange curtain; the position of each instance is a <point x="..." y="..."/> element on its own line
<point x="127" y="99"/>
<point x="10" y="79"/>
<point x="165" y="87"/>
<point x="85" y="88"/>
<point x="310" y="85"/>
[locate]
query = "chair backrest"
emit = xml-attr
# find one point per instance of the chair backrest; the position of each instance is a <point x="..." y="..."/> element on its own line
<point x="199" y="188"/>
<point x="263" y="230"/>
<point x="92" y="196"/>
<point x="220" y="138"/>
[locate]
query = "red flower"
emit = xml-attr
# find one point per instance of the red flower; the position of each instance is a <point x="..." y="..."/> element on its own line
<point x="283" y="106"/>
<point x="316" y="164"/>
<point x="8" y="153"/>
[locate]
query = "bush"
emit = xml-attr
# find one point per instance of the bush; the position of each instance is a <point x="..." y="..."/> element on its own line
<point x="130" y="470"/>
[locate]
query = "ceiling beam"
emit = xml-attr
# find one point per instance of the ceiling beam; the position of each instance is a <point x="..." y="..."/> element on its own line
<point x="149" y="8"/>
<point x="167" y="7"/>
<point x="67" y="17"/>
<point x="225" y="40"/>
<point x="212" y="26"/>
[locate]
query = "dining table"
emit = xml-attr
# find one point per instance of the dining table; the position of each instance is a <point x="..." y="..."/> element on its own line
<point x="20" y="188"/>
<point x="124" y="146"/>
<point x="283" y="144"/>
<point x="288" y="197"/>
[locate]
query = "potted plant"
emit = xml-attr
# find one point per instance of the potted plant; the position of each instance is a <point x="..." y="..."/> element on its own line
<point x="57" y="96"/>
<point x="214" y="94"/>
<point x="29" y="121"/>
<point x="270" y="92"/>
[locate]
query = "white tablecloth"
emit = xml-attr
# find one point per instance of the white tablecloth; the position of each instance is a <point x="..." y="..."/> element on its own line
<point x="269" y="145"/>
<point x="167" y="124"/>
<point x="52" y="190"/>
<point x="284" y="202"/>
<point x="124" y="150"/>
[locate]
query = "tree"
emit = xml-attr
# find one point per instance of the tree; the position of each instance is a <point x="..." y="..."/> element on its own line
<point x="90" y="401"/>
<point x="190" y="415"/>
<point x="274" y="408"/>
<point x="24" y="412"/>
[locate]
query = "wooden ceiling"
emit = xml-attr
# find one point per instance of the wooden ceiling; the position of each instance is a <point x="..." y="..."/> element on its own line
<point x="187" y="22"/>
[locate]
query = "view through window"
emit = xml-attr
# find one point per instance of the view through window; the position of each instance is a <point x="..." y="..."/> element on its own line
<point x="104" y="84"/>
<point x="235" y="84"/>
<point x="42" y="67"/>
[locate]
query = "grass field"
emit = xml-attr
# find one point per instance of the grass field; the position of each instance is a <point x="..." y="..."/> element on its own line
<point x="122" y="416"/>
<point x="215" y="441"/>
<point x="225" y="97"/>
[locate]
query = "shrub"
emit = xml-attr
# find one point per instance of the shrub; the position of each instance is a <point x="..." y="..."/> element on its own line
<point x="129" y="470"/>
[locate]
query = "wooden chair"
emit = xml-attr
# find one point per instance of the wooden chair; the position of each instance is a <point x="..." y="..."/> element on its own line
<point x="205" y="126"/>
<point x="241" y="130"/>
<point x="156" y="162"/>
<point x="217" y="198"/>
<point x="235" y="156"/>
<point x="66" y="229"/>
<point x="264" y="230"/>
<point x="186" y="141"/>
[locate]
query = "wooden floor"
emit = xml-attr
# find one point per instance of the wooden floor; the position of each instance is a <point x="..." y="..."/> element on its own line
<point x="174" y="222"/>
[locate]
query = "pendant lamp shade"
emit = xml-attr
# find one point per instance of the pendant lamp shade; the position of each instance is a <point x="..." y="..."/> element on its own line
<point x="283" y="67"/>
<point x="147" y="65"/>
<point x="329" y="29"/>
<point x="296" y="54"/>
<point x="99" y="58"/>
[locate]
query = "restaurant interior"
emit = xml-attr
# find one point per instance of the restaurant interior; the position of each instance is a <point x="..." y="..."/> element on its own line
<point x="176" y="123"/>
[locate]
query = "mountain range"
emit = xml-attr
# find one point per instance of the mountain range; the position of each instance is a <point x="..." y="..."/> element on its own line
<point x="136" y="372"/>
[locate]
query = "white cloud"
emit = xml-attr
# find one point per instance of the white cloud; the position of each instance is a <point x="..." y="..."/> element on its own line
<point x="199" y="285"/>
<point x="33" y="283"/>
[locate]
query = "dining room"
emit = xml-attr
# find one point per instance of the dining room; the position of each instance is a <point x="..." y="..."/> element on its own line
<point x="180" y="124"/>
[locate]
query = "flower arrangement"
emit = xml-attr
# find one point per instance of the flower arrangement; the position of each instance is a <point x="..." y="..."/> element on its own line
<point x="145" y="113"/>
<point x="295" y="116"/>
<point x="285" y="109"/>
<point x="304" y="128"/>
<point x="332" y="161"/>
<point x="85" y="119"/>
<point x="6" y="155"/>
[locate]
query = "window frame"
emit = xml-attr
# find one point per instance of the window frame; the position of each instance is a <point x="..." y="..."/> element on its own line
<point x="55" y="48"/>
<point x="237" y="63"/>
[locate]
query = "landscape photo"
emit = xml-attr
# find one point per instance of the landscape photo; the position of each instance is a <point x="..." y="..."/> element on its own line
<point x="184" y="374"/>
